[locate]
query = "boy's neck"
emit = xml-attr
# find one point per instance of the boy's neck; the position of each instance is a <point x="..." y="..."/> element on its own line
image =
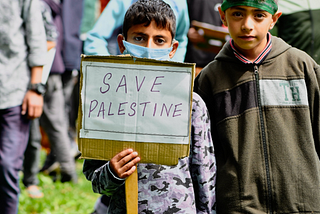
<point x="251" y="54"/>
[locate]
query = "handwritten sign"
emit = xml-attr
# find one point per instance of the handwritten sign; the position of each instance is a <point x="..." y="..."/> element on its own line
<point x="129" y="102"/>
<point x="138" y="103"/>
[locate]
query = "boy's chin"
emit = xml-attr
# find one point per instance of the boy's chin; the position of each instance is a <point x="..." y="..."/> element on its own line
<point x="249" y="47"/>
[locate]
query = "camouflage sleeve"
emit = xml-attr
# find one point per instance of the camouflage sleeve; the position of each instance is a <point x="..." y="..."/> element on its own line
<point x="202" y="158"/>
<point x="103" y="181"/>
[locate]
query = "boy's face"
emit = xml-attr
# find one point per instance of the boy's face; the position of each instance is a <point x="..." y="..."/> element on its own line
<point x="150" y="37"/>
<point x="248" y="27"/>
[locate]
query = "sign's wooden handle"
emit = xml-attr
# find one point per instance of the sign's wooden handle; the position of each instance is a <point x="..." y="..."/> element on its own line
<point x="131" y="186"/>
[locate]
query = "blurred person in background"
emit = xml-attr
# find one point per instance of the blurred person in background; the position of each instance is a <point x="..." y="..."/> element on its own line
<point x="205" y="11"/>
<point x="299" y="25"/>
<point x="22" y="56"/>
<point x="53" y="118"/>
<point x="70" y="49"/>
<point x="72" y="13"/>
<point x="32" y="154"/>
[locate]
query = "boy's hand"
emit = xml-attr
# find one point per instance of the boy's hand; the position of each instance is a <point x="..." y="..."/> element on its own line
<point x="124" y="163"/>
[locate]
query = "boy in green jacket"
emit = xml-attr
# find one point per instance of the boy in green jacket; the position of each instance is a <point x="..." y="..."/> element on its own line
<point x="263" y="98"/>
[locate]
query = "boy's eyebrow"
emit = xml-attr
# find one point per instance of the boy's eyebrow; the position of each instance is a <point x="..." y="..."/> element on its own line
<point x="139" y="33"/>
<point x="143" y="34"/>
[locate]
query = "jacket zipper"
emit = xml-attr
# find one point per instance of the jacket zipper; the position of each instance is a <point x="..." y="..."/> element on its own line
<point x="264" y="142"/>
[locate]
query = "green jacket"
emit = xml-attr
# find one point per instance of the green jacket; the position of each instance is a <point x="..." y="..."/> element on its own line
<point x="266" y="132"/>
<point x="299" y="25"/>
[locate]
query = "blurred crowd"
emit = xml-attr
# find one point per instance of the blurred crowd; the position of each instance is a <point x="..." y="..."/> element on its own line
<point x="30" y="29"/>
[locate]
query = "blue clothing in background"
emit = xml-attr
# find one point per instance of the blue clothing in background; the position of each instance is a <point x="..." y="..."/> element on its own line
<point x="102" y="39"/>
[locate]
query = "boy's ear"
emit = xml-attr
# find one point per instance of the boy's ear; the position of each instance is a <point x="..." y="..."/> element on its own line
<point x="120" y="43"/>
<point x="275" y="18"/>
<point x="223" y="17"/>
<point x="174" y="49"/>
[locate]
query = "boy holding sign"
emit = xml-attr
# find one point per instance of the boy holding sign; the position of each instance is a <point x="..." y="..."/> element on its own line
<point x="189" y="187"/>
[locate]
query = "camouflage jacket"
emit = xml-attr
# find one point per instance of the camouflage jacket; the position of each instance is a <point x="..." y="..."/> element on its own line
<point x="188" y="187"/>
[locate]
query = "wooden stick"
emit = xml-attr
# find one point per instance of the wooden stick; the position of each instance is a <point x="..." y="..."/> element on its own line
<point x="131" y="186"/>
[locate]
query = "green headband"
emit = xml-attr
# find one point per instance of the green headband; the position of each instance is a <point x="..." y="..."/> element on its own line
<point x="267" y="5"/>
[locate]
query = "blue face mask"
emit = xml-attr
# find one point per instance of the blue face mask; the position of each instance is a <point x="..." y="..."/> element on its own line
<point x="143" y="52"/>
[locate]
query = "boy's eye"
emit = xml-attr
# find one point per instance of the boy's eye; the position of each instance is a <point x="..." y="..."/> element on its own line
<point x="138" y="38"/>
<point x="260" y="15"/>
<point x="160" y="41"/>
<point x="237" y="14"/>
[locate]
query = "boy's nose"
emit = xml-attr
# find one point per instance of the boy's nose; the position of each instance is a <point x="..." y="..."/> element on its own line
<point x="150" y="43"/>
<point x="247" y="25"/>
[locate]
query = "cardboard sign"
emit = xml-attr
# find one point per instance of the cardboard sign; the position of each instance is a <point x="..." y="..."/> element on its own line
<point x="129" y="102"/>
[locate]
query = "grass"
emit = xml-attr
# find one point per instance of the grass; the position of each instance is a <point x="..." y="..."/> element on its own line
<point x="60" y="198"/>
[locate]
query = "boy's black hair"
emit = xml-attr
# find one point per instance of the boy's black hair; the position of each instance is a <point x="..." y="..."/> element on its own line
<point x="144" y="11"/>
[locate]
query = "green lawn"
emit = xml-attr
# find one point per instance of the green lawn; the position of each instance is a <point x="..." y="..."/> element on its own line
<point x="60" y="198"/>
